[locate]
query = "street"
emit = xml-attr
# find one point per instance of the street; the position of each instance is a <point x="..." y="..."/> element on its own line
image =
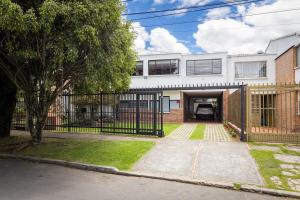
<point x="26" y="180"/>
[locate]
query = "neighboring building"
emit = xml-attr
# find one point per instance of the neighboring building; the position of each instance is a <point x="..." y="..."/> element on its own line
<point x="287" y="58"/>
<point x="165" y="70"/>
<point x="287" y="61"/>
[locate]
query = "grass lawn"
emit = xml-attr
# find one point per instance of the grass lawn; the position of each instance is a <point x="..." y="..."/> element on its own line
<point x="270" y="167"/>
<point x="198" y="133"/>
<point x="119" y="154"/>
<point x="169" y="127"/>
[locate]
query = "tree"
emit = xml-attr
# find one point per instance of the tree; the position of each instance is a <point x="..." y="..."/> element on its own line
<point x="8" y="92"/>
<point x="49" y="45"/>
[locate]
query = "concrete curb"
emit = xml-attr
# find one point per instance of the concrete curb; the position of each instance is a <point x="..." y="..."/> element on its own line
<point x="113" y="170"/>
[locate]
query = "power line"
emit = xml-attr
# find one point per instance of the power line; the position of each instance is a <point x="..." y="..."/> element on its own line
<point x="258" y="27"/>
<point x="181" y="8"/>
<point x="203" y="8"/>
<point x="236" y="16"/>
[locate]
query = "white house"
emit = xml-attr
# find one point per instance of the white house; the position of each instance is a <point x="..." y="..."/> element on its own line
<point x="165" y="70"/>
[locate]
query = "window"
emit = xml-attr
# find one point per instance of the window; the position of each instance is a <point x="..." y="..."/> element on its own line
<point x="251" y="69"/>
<point x="166" y="104"/>
<point x="161" y="67"/>
<point x="204" y="67"/>
<point x="138" y="69"/>
<point x="298" y="57"/>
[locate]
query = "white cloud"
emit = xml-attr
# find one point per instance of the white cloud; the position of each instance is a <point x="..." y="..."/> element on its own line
<point x="162" y="41"/>
<point x="141" y="37"/>
<point x="218" y="12"/>
<point x="159" y="39"/>
<point x="250" y="34"/>
<point x="164" y="1"/>
<point x="194" y="2"/>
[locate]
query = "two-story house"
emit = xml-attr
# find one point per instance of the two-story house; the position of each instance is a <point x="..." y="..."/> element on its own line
<point x="165" y="70"/>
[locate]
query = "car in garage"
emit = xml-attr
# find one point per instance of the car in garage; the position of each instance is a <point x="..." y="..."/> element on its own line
<point x="205" y="111"/>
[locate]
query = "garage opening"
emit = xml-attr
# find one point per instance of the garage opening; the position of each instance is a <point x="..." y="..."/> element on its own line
<point x="203" y="106"/>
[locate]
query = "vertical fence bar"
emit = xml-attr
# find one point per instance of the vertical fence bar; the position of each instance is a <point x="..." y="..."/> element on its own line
<point x="154" y="110"/>
<point x="242" y="88"/>
<point x="162" y="134"/>
<point x="137" y="121"/>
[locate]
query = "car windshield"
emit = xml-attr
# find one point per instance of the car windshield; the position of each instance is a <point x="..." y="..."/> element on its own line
<point x="204" y="106"/>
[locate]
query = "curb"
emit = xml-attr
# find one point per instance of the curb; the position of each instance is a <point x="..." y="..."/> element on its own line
<point x="113" y="170"/>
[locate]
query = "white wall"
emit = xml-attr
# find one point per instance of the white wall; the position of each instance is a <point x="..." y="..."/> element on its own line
<point x="147" y="81"/>
<point x="271" y="69"/>
<point x="280" y="45"/>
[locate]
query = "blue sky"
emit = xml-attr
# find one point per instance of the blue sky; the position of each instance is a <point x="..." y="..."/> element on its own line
<point x="203" y="41"/>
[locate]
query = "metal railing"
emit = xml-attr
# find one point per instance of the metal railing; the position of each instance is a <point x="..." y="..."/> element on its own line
<point x="133" y="112"/>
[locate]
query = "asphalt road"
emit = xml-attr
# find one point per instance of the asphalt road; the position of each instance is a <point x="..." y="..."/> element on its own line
<point x="26" y="180"/>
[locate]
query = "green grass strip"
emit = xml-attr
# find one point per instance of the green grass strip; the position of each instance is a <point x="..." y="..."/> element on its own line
<point x="120" y="154"/>
<point x="169" y="128"/>
<point x="198" y="133"/>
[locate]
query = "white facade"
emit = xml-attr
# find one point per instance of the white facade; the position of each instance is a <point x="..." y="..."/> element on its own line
<point x="279" y="45"/>
<point x="227" y="74"/>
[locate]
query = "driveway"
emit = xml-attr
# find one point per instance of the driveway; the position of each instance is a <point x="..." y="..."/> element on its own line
<point x="30" y="181"/>
<point x="217" y="158"/>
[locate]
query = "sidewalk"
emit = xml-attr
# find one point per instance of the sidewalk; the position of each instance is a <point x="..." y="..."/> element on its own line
<point x="216" y="159"/>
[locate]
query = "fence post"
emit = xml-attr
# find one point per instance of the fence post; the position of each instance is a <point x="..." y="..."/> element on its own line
<point x="137" y="115"/>
<point x="161" y="134"/>
<point x="154" y="125"/>
<point x="68" y="112"/>
<point x="101" y="112"/>
<point x="242" y="138"/>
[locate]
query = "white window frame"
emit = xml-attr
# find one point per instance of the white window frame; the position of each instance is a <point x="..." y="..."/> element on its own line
<point x="249" y="77"/>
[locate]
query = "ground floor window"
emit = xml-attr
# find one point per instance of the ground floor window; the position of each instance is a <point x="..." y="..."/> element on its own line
<point x="166" y="104"/>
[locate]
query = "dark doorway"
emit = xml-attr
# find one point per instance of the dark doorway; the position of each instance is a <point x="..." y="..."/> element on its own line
<point x="203" y="106"/>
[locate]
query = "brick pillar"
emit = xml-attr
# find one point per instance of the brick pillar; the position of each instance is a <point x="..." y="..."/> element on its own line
<point x="225" y="104"/>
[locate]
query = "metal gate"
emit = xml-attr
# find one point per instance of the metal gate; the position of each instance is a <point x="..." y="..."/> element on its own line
<point x="136" y="112"/>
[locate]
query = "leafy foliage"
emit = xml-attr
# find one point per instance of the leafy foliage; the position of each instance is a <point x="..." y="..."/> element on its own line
<point x="46" y="46"/>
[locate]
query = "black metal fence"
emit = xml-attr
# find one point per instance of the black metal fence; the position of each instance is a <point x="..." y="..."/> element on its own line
<point x="135" y="112"/>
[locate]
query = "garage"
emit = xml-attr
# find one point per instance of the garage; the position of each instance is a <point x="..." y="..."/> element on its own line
<point x="203" y="106"/>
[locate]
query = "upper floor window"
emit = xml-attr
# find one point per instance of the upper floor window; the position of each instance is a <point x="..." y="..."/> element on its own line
<point x="256" y="69"/>
<point x="160" y="67"/>
<point x="204" y="67"/>
<point x="298" y="56"/>
<point x="138" y="69"/>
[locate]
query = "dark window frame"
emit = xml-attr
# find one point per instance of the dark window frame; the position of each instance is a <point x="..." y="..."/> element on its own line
<point x="139" y="61"/>
<point x="178" y="67"/>
<point x="212" y="73"/>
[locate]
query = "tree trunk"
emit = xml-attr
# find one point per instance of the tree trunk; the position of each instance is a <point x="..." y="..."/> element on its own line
<point x="36" y="119"/>
<point x="8" y="99"/>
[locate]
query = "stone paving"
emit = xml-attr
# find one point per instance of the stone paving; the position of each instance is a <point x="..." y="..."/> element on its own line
<point x="216" y="133"/>
<point x="183" y="132"/>
<point x="227" y="162"/>
<point x="214" y="159"/>
<point x="288" y="158"/>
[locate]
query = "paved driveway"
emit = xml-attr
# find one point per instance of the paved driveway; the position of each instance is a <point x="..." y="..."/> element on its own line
<point x="22" y="180"/>
<point x="217" y="158"/>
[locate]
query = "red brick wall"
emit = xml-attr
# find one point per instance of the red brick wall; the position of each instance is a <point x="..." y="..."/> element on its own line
<point x="225" y="105"/>
<point x="287" y="116"/>
<point x="176" y="115"/>
<point x="285" y="64"/>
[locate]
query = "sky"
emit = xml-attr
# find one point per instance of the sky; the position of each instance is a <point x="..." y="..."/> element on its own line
<point x="236" y="29"/>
